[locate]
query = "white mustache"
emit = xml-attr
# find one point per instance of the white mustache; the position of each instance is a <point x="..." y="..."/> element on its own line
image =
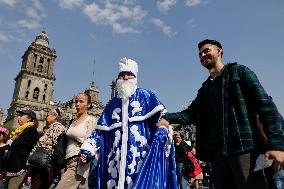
<point x="126" y="88"/>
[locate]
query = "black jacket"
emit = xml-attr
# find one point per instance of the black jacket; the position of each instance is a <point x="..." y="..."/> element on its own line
<point x="3" y="163"/>
<point x="20" y="150"/>
<point x="181" y="151"/>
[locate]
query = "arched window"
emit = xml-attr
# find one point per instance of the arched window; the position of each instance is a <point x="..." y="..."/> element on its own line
<point x="36" y="93"/>
<point x="29" y="84"/>
<point x="35" y="57"/>
<point x="41" y="59"/>
<point x="27" y="94"/>
<point x="48" y="65"/>
<point x="39" y="68"/>
<point x="45" y="87"/>
<point x="43" y="97"/>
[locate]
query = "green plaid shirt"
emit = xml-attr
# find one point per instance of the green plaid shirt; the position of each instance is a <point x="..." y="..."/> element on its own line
<point x="243" y="98"/>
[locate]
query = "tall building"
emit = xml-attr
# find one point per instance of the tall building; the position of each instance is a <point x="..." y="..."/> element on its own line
<point x="113" y="90"/>
<point x="2" y="116"/>
<point x="34" y="85"/>
<point x="35" y="81"/>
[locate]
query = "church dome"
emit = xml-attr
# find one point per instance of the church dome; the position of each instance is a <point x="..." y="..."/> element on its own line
<point x="42" y="39"/>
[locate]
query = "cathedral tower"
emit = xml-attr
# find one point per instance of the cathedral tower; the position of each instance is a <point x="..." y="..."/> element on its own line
<point x="113" y="90"/>
<point x="35" y="81"/>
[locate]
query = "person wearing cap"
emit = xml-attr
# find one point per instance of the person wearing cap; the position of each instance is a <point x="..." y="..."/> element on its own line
<point x="181" y="151"/>
<point x="123" y="137"/>
<point x="53" y="140"/>
<point x="23" y="139"/>
<point x="224" y="112"/>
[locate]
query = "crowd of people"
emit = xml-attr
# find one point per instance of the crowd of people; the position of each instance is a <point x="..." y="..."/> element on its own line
<point x="132" y="144"/>
<point x="58" y="147"/>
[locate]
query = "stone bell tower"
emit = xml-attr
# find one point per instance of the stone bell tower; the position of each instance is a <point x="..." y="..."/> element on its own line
<point x="98" y="107"/>
<point x="35" y="81"/>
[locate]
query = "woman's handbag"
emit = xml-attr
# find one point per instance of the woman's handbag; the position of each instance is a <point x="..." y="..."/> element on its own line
<point x="40" y="158"/>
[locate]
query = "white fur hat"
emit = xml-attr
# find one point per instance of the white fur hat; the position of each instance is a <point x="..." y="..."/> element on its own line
<point x="128" y="65"/>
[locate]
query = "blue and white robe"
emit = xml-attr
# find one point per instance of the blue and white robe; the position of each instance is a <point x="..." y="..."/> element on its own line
<point x="131" y="151"/>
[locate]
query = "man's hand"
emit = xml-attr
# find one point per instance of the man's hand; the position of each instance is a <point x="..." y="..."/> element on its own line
<point x="163" y="122"/>
<point x="278" y="157"/>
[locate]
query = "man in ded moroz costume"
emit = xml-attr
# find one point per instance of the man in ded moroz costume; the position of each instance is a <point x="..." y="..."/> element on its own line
<point x="131" y="152"/>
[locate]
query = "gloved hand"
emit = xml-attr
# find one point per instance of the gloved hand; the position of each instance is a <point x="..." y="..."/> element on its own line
<point x="85" y="156"/>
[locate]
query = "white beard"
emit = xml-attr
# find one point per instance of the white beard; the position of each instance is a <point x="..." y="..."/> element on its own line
<point x="126" y="88"/>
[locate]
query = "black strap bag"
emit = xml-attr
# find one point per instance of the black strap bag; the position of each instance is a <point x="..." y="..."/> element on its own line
<point x="40" y="158"/>
<point x="59" y="152"/>
<point x="188" y="165"/>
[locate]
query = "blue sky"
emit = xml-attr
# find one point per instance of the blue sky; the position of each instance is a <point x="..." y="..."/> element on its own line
<point x="160" y="35"/>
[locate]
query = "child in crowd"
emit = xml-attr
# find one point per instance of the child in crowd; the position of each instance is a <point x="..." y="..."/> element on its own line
<point x="4" y="133"/>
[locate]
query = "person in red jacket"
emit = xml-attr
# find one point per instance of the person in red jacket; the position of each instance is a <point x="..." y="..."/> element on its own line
<point x="197" y="173"/>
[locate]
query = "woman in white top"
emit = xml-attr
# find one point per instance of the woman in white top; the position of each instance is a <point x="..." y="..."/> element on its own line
<point x="81" y="127"/>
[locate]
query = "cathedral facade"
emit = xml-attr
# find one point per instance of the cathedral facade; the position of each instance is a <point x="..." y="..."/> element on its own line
<point x="34" y="86"/>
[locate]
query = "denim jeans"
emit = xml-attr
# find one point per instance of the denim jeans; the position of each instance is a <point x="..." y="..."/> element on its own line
<point x="183" y="180"/>
<point x="1" y="184"/>
<point x="279" y="178"/>
<point x="92" y="174"/>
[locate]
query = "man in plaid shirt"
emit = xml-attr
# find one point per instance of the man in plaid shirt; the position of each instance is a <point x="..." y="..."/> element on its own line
<point x="225" y="112"/>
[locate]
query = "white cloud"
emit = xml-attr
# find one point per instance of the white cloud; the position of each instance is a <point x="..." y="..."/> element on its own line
<point x="33" y="13"/>
<point x="191" y="3"/>
<point x="7" y="38"/>
<point x="165" y="5"/>
<point x="8" y="2"/>
<point x="119" y="28"/>
<point x="36" y="10"/>
<point x="37" y="4"/>
<point x="120" y="17"/>
<point x="70" y="4"/>
<point x="29" y="24"/>
<point x="129" y="2"/>
<point x="4" y="37"/>
<point x="165" y="28"/>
